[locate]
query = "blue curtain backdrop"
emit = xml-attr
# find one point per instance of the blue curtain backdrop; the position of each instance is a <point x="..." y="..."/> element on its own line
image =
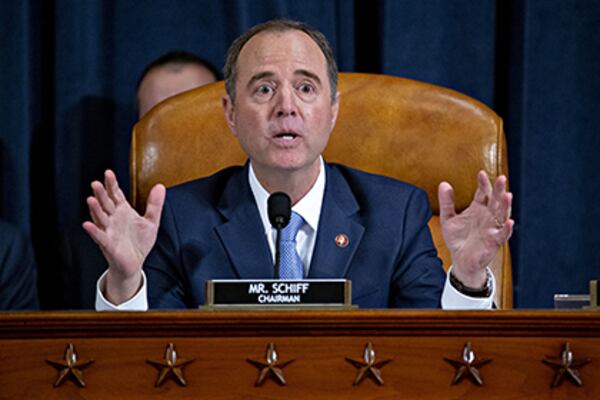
<point x="69" y="68"/>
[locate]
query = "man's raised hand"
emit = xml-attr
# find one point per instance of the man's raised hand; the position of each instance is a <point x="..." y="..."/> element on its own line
<point x="475" y="235"/>
<point x="124" y="237"/>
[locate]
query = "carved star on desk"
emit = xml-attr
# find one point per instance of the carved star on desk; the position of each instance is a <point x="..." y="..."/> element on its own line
<point x="566" y="366"/>
<point x="271" y="368"/>
<point x="368" y="367"/>
<point x="170" y="366"/>
<point x="467" y="366"/>
<point x="70" y="367"/>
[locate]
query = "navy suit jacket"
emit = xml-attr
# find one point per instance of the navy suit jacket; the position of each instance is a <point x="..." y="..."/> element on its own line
<point x="211" y="229"/>
<point x="18" y="283"/>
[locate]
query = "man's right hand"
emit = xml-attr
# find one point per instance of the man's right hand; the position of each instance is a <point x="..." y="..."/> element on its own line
<point x="124" y="236"/>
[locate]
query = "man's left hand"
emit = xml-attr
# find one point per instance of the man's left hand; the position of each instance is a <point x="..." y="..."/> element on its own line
<point x="475" y="235"/>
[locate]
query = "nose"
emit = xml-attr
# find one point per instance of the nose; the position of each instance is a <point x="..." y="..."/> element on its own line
<point x="285" y="103"/>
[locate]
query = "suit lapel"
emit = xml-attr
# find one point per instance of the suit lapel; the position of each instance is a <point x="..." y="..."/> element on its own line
<point x="243" y="235"/>
<point x="338" y="217"/>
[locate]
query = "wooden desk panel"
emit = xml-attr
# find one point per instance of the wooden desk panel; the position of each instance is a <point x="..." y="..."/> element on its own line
<point x="319" y="342"/>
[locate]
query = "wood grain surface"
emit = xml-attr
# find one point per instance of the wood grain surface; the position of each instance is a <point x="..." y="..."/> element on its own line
<point x="317" y="341"/>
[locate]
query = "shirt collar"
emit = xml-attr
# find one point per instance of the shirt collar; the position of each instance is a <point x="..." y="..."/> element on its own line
<point x="309" y="207"/>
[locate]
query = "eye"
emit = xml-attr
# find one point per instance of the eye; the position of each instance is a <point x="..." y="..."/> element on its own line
<point x="306" y="88"/>
<point x="264" y="90"/>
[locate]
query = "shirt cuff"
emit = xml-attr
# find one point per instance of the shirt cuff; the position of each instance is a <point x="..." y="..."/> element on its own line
<point x="139" y="302"/>
<point x="452" y="299"/>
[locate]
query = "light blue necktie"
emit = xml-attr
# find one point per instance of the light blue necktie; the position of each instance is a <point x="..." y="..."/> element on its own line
<point x="290" y="263"/>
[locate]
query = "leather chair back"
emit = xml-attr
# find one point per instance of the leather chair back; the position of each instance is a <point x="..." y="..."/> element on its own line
<point x="409" y="130"/>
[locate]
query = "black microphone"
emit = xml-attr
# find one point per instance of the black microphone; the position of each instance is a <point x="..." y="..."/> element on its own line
<point x="279" y="207"/>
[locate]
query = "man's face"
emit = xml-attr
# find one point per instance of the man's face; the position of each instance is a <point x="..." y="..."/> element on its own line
<point x="283" y="114"/>
<point x="168" y="80"/>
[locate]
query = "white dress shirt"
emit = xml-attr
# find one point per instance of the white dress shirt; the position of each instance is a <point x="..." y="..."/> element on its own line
<point x="309" y="208"/>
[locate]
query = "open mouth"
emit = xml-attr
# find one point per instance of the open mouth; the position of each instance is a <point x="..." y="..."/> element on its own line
<point x="287" y="135"/>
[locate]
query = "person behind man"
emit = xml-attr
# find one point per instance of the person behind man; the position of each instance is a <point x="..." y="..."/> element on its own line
<point x="18" y="272"/>
<point x="170" y="74"/>
<point x="282" y="104"/>
<point x="81" y="261"/>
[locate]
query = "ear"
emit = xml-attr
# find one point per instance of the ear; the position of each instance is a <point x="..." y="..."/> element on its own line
<point x="229" y="110"/>
<point x="335" y="108"/>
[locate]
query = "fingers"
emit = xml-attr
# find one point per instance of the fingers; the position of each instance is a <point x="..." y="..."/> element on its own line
<point x="505" y="232"/>
<point x="508" y="229"/>
<point x="505" y="208"/>
<point x="499" y="188"/>
<point x="156" y="200"/>
<point x="112" y="187"/>
<point x="446" y="200"/>
<point x="106" y="198"/>
<point x="97" y="213"/>
<point x="501" y="201"/>
<point x="97" y="235"/>
<point x="484" y="188"/>
<point x="108" y="195"/>
<point x="102" y="197"/>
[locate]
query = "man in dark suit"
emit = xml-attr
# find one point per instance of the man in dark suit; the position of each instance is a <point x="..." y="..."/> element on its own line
<point x="18" y="283"/>
<point x="282" y="104"/>
<point x="391" y="263"/>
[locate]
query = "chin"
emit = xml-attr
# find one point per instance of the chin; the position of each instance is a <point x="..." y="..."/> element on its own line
<point x="293" y="164"/>
<point x="288" y="167"/>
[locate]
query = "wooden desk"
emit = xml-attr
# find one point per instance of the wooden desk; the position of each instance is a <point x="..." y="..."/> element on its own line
<point x="319" y="343"/>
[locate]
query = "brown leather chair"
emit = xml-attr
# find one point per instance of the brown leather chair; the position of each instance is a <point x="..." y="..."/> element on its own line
<point x="413" y="131"/>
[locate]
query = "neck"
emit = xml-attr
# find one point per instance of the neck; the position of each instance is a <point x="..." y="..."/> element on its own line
<point x="295" y="183"/>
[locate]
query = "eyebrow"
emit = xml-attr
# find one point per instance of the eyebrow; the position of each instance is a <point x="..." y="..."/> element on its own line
<point x="308" y="74"/>
<point x="259" y="76"/>
<point x="269" y="74"/>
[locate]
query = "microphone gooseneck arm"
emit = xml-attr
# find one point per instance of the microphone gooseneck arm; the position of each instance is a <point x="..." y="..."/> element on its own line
<point x="277" y="254"/>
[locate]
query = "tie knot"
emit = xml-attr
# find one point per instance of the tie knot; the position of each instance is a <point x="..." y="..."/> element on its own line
<point x="291" y="230"/>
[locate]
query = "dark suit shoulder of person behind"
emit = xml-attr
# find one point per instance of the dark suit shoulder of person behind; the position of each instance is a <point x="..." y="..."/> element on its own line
<point x="80" y="265"/>
<point x="18" y="271"/>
